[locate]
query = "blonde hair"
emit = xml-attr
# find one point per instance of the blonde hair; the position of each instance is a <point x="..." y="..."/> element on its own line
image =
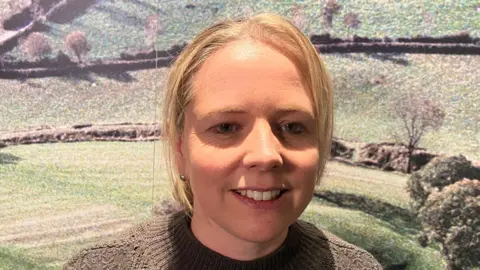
<point x="270" y="29"/>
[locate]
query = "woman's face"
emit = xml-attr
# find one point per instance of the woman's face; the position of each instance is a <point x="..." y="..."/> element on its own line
<point x="249" y="132"/>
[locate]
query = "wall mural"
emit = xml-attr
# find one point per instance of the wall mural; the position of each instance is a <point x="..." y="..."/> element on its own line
<point x="81" y="86"/>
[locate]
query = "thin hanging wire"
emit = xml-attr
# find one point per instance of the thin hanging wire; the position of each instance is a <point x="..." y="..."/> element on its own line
<point x="155" y="105"/>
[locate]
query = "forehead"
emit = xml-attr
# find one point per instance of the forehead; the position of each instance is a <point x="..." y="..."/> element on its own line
<point x="246" y="59"/>
<point x="245" y="70"/>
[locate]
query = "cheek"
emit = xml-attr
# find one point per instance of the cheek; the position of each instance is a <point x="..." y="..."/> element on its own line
<point x="304" y="178"/>
<point x="206" y="157"/>
<point x="306" y="163"/>
<point x="209" y="167"/>
<point x="207" y="160"/>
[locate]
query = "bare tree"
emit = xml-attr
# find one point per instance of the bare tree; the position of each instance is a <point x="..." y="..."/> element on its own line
<point x="418" y="114"/>
<point x="330" y="8"/>
<point x="351" y="20"/>
<point x="152" y="28"/>
<point x="298" y="18"/>
<point x="77" y="43"/>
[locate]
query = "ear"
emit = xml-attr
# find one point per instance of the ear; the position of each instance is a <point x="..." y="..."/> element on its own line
<point x="179" y="155"/>
<point x="179" y="146"/>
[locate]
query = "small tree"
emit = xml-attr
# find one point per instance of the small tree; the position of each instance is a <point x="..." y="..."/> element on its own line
<point x="36" y="45"/>
<point x="351" y="20"/>
<point x="37" y="10"/>
<point x="152" y="28"/>
<point x="419" y="115"/>
<point x="452" y="218"/>
<point x="330" y="8"/>
<point x="439" y="173"/>
<point x="298" y="18"/>
<point x="77" y="43"/>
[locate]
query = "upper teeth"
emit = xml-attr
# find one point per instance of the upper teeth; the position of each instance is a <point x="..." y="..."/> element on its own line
<point x="259" y="195"/>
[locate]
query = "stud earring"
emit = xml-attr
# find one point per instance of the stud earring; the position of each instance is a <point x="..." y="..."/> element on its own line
<point x="182" y="177"/>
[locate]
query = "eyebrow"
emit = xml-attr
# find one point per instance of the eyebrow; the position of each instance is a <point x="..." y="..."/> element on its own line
<point x="281" y="112"/>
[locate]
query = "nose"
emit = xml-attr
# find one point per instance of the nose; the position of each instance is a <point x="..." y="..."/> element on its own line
<point x="262" y="148"/>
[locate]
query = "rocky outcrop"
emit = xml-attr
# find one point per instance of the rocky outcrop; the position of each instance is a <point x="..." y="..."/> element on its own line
<point x="87" y="132"/>
<point x="392" y="157"/>
<point x="340" y="149"/>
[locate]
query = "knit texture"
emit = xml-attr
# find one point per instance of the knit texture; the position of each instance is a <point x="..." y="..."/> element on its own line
<point x="167" y="242"/>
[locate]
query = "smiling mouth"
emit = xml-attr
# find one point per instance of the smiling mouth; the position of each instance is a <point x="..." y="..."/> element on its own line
<point x="261" y="195"/>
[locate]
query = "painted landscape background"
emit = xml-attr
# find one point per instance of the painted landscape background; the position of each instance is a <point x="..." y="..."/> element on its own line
<point x="57" y="198"/>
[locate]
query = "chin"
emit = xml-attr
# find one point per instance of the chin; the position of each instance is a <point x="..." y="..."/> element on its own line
<point x="260" y="232"/>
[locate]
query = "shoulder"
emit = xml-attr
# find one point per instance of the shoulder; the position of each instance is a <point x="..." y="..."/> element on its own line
<point x="344" y="254"/>
<point x="121" y="252"/>
<point x="116" y="255"/>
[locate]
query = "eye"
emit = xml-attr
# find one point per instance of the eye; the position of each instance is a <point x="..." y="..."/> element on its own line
<point x="225" y="128"/>
<point x="295" y="128"/>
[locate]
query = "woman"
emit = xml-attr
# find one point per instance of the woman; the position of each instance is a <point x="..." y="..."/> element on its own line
<point x="249" y="115"/>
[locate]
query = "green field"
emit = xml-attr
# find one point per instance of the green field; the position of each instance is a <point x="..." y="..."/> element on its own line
<point x="57" y="198"/>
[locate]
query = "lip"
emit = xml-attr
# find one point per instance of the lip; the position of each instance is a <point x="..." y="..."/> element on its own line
<point x="261" y="205"/>
<point x="260" y="188"/>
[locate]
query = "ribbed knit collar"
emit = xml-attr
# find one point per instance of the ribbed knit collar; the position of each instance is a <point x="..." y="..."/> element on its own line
<point x="192" y="254"/>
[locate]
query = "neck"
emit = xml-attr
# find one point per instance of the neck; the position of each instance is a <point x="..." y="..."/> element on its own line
<point x="223" y="242"/>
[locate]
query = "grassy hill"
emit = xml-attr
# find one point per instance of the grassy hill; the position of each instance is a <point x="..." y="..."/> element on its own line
<point x="361" y="105"/>
<point x="116" y="26"/>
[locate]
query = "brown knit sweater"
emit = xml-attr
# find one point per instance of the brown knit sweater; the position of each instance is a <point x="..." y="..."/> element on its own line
<point x="168" y="243"/>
